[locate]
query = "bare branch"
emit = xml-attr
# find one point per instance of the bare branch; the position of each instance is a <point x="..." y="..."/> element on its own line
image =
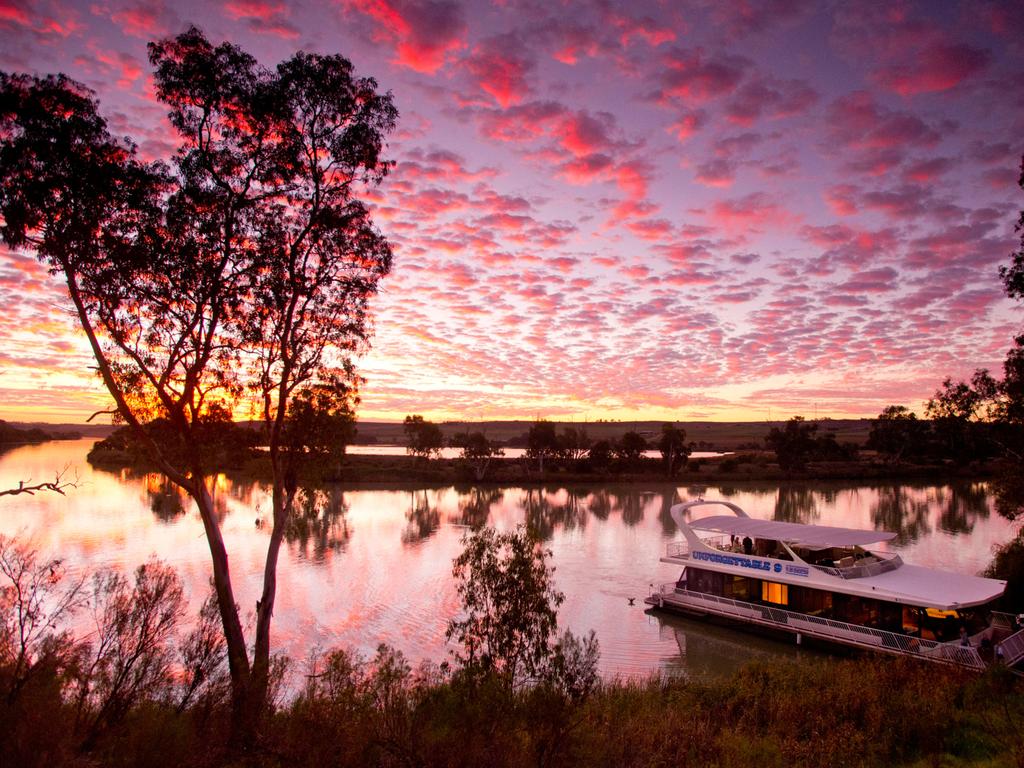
<point x="58" y="485"/>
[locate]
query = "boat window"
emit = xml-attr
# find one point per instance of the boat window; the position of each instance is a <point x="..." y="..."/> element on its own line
<point x="709" y="582"/>
<point x="774" y="593"/>
<point x="815" y="602"/>
<point x="739" y="588"/>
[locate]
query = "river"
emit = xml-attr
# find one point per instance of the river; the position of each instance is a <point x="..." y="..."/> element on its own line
<point x="366" y="567"/>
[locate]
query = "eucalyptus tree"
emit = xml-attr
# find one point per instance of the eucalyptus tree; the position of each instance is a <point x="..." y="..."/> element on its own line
<point x="240" y="271"/>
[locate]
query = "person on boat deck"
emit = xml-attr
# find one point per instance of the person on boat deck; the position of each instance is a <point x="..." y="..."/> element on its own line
<point x="964" y="639"/>
<point x="748" y="546"/>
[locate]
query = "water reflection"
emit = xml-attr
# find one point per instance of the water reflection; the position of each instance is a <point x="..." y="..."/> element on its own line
<point x="962" y="505"/>
<point x="369" y="566"/>
<point x="668" y="500"/>
<point x="901" y="510"/>
<point x="166" y="500"/>
<point x="319" y="523"/>
<point x="475" y="506"/>
<point x="704" y="650"/>
<point x="423" y="517"/>
<point x="797" y="505"/>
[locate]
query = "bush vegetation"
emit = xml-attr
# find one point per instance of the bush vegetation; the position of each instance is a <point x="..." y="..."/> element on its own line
<point x="135" y="688"/>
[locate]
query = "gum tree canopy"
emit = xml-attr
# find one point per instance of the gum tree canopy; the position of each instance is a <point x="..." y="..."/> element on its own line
<point x="240" y="271"/>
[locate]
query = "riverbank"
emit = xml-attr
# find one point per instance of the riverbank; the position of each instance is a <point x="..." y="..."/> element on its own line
<point x="410" y="471"/>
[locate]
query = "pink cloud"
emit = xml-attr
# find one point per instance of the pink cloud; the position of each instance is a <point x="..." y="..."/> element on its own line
<point x="859" y="122"/>
<point x="520" y="123"/>
<point x="651" y="229"/>
<point x="13" y="11"/>
<point x="927" y="170"/>
<point x="572" y="41"/>
<point x="644" y="29"/>
<point x="586" y="169"/>
<point x="717" y="172"/>
<point x="688" y="124"/>
<point x="499" y="67"/>
<point x="146" y="20"/>
<point x="880" y="280"/>
<point x="938" y="67"/>
<point x="425" y="33"/>
<point x="695" y="76"/>
<point x="754" y="210"/>
<point x="583" y="133"/>
<point x="766" y="97"/>
<point x="744" y="17"/>
<point x="263" y="16"/>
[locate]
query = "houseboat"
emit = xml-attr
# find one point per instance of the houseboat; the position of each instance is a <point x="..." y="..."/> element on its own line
<point x="828" y="584"/>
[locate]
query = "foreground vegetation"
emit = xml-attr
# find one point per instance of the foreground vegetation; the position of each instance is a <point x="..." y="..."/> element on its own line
<point x="103" y="671"/>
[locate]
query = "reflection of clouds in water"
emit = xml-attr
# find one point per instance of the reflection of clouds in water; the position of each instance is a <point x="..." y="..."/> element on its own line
<point x="369" y="566"/>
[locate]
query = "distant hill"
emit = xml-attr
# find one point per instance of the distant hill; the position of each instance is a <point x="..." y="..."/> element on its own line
<point x="709" y="435"/>
<point x="62" y="431"/>
<point x="721" y="435"/>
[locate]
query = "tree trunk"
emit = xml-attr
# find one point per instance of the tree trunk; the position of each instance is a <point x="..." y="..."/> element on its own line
<point x="245" y="712"/>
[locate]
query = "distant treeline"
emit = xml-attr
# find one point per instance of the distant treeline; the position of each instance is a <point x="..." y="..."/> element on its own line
<point x="10" y="435"/>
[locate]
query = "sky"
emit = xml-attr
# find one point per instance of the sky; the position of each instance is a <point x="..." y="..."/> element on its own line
<point x="693" y="210"/>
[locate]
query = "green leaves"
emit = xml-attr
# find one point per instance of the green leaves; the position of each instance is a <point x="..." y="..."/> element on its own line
<point x="509" y="604"/>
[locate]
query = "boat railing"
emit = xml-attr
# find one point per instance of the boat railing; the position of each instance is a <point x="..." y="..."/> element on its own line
<point x="860" y="571"/>
<point x="855" y="634"/>
<point x="678" y="549"/>
<point x="1002" y="620"/>
<point x="1011" y="649"/>
<point x="721" y="543"/>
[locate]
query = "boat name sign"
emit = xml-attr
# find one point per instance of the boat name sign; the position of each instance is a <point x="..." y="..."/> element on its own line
<point x="749" y="562"/>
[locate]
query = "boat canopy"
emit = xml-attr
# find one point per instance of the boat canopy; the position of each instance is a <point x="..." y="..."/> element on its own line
<point x="811" y="536"/>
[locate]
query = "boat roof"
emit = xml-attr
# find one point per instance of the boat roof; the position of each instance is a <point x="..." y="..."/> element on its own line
<point x="813" y="536"/>
<point x="930" y="588"/>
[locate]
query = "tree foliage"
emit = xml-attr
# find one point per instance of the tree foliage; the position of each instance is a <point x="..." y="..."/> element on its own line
<point x="600" y="454"/>
<point x="542" y="442"/>
<point x="897" y="433"/>
<point x="573" y="443"/>
<point x="509" y="616"/>
<point x="631" y="446"/>
<point x="423" y="438"/>
<point x="477" y="451"/>
<point x="321" y="422"/>
<point x="241" y="270"/>
<point x="1013" y="275"/>
<point x="673" y="448"/>
<point x="795" y="444"/>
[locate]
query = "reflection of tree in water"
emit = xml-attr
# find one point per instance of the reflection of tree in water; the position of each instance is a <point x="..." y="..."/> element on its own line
<point x="166" y="500"/>
<point x="632" y="504"/>
<point x="424" y="518"/>
<point x="961" y="505"/>
<point x="544" y="516"/>
<point x="669" y="499"/>
<point x="600" y="504"/>
<point x="475" y="506"/>
<point x="796" y="505"/>
<point x="319" y="522"/>
<point x="897" y="511"/>
<point x="1008" y="488"/>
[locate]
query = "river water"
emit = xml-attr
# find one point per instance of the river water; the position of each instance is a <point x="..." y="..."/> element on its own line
<point x="366" y="567"/>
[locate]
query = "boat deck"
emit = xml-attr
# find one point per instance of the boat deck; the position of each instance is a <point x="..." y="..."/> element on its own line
<point x="1007" y="645"/>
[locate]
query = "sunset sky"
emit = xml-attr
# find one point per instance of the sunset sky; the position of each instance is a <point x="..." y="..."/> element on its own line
<point x="707" y="209"/>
